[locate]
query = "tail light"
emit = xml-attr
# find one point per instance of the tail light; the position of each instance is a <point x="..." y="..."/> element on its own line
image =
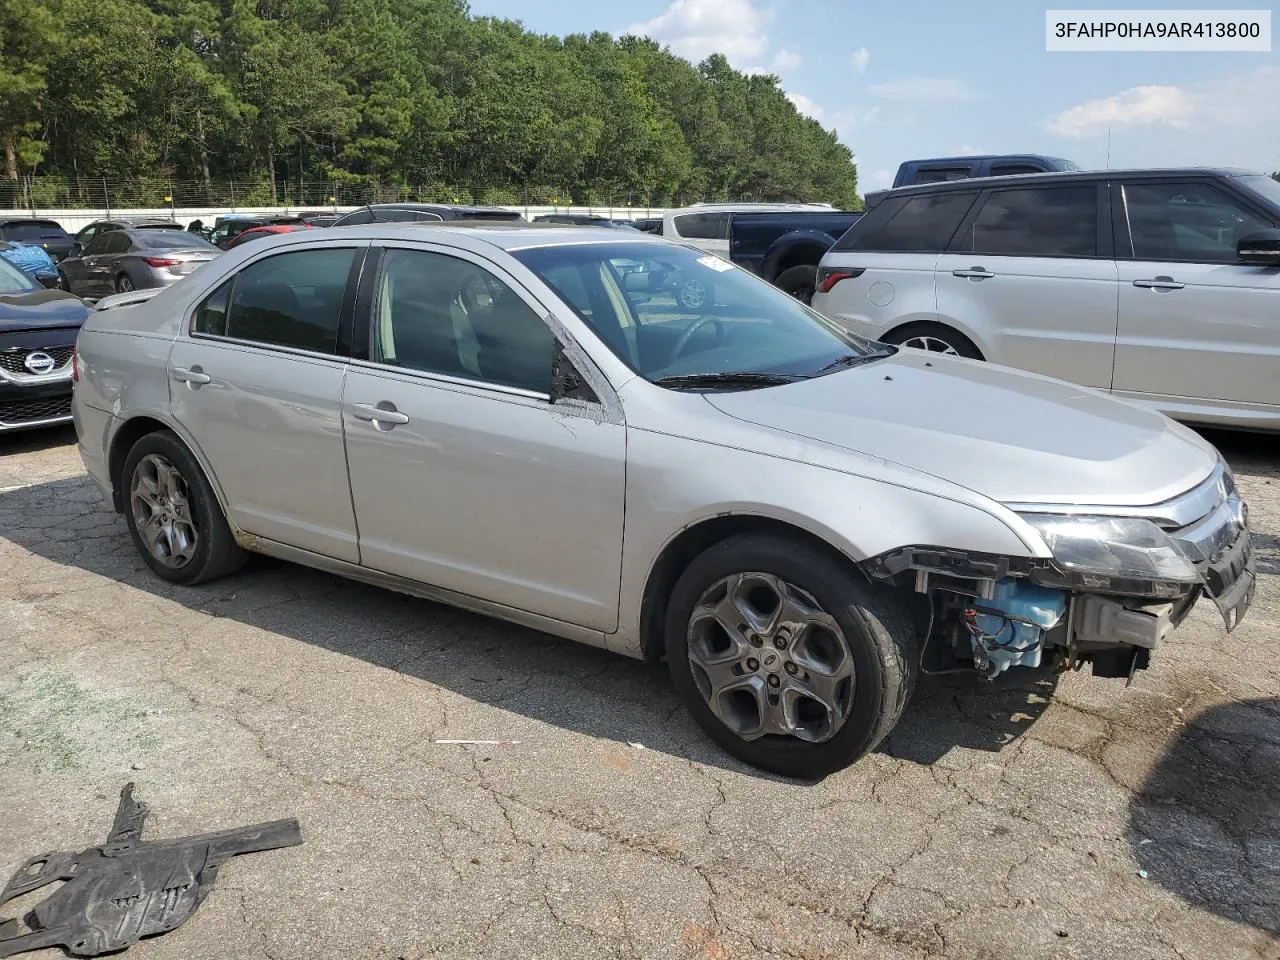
<point x="161" y="261"/>
<point x="828" y="277"/>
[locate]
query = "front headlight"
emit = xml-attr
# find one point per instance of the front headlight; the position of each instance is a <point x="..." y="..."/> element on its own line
<point x="1112" y="555"/>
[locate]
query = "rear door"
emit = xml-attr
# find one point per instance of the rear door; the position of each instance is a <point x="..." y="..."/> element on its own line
<point x="1031" y="273"/>
<point x="1195" y="324"/>
<point x="257" y="387"/>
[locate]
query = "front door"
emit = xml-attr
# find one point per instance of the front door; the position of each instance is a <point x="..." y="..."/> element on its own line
<point x="463" y="474"/>
<point x="257" y="386"/>
<point x="1195" y="324"/>
<point x="1032" y="270"/>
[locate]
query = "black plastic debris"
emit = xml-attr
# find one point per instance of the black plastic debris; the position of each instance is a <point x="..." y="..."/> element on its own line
<point x="128" y="888"/>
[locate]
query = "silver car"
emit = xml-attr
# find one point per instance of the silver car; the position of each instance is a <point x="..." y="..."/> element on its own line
<point x="119" y="261"/>
<point x="796" y="519"/>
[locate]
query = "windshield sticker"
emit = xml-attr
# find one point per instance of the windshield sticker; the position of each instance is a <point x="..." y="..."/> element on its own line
<point x="716" y="264"/>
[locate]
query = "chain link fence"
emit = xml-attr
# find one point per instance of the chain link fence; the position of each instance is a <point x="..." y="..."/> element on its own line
<point x="34" y="194"/>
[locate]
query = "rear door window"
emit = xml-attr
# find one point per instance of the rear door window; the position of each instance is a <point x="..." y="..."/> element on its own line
<point x="923" y="224"/>
<point x="1050" y="221"/>
<point x="942" y="174"/>
<point x="703" y="226"/>
<point x="292" y="299"/>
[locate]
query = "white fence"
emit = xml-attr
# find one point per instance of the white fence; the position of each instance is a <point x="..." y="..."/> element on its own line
<point x="74" y="220"/>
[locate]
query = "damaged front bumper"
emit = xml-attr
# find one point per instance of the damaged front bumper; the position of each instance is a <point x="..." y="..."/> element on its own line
<point x="992" y="613"/>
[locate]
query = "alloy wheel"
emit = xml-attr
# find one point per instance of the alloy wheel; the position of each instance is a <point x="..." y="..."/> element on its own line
<point x="162" y="511"/>
<point x="693" y="295"/>
<point x="769" y="660"/>
<point x="932" y="344"/>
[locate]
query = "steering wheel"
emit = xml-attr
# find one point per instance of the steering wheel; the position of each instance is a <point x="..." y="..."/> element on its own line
<point x="678" y="350"/>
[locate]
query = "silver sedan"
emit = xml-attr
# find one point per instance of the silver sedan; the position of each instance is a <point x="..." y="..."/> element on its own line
<point x="511" y="419"/>
<point x="120" y="261"/>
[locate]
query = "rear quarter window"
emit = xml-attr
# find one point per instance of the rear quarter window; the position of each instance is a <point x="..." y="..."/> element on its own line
<point x="920" y="224"/>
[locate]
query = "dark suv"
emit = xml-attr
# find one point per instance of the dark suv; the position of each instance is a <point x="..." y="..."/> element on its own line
<point x="43" y="233"/>
<point x="1159" y="286"/>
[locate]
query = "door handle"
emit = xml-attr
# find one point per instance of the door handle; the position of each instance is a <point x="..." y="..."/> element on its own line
<point x="1160" y="283"/>
<point x="973" y="273"/>
<point x="194" y="376"/>
<point x="379" y="413"/>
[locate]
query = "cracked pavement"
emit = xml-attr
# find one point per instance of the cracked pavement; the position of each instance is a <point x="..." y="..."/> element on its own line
<point x="1044" y="816"/>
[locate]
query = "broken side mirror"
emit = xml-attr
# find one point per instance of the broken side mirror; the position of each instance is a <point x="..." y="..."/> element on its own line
<point x="1261" y="249"/>
<point x="566" y="382"/>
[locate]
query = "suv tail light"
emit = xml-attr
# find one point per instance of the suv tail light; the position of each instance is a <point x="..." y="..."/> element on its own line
<point x="828" y="277"/>
<point x="161" y="261"/>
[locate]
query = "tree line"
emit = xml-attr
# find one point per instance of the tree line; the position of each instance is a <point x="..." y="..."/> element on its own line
<point x="401" y="92"/>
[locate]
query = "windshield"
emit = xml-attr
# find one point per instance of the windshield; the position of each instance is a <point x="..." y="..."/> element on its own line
<point x="37" y="231"/>
<point x="1265" y="187"/>
<point x="669" y="311"/>
<point x="13" y="280"/>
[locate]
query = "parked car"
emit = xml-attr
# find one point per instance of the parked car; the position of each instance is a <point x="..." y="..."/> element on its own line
<point x="320" y="219"/>
<point x="87" y="235"/>
<point x="648" y="224"/>
<point x="270" y="230"/>
<point x="1159" y="286"/>
<point x="38" y="330"/>
<point x="227" y="228"/>
<point x="43" y="233"/>
<point x="781" y="242"/>
<point x="118" y="261"/>
<point x="584" y="220"/>
<point x="808" y="514"/>
<point x="427" y="212"/>
<point x="33" y="260"/>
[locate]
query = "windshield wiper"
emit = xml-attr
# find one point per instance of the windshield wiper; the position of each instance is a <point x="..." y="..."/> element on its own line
<point x="732" y="378"/>
<point x="853" y="360"/>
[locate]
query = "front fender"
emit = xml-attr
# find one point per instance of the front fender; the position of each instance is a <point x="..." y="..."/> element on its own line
<point x="673" y="485"/>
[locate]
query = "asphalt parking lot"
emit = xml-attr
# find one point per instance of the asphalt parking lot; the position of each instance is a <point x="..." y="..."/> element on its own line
<point x="1058" y="816"/>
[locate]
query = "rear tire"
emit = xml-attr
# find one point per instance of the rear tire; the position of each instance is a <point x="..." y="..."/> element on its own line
<point x="935" y="338"/>
<point x="798" y="282"/>
<point x="173" y="515"/>
<point x="833" y="635"/>
<point x="124" y="284"/>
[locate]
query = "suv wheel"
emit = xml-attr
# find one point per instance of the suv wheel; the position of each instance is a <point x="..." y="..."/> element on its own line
<point x="173" y="515"/>
<point x="935" y="338"/>
<point x="786" y="657"/>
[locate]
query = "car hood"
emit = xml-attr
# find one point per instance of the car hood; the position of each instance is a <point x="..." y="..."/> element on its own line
<point x="41" y="308"/>
<point x="1010" y="436"/>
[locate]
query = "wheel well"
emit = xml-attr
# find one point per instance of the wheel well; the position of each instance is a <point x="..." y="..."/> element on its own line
<point x="802" y="254"/>
<point x="681" y="551"/>
<point x="936" y="324"/>
<point x="129" y="434"/>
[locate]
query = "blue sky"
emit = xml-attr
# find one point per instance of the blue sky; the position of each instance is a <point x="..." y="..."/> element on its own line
<point x="907" y="80"/>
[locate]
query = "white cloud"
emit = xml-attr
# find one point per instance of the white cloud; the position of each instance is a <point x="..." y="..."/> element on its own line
<point x="807" y="106"/>
<point x="698" y="28"/>
<point x="877" y="179"/>
<point x="848" y="121"/>
<point x="785" y="60"/>
<point x="1136" y="106"/>
<point x="755" y="71"/>
<point x="923" y="88"/>
<point x="859" y="59"/>
<point x="968" y="151"/>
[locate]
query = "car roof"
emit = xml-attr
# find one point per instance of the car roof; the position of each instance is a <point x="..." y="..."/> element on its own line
<point x="6" y="221"/>
<point x="431" y="207"/>
<point x="1067" y="176"/>
<point x="749" y="207"/>
<point x="505" y="234"/>
<point x="972" y="158"/>
<point x="135" y="221"/>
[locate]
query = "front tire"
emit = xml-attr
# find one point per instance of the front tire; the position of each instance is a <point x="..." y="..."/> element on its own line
<point x="173" y="515"/>
<point x="787" y="657"/>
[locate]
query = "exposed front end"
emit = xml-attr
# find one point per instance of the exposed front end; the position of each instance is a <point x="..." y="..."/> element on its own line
<point x="35" y="378"/>
<point x="1120" y="580"/>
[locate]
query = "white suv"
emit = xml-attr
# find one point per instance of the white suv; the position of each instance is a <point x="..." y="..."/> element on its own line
<point x="1159" y="286"/>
